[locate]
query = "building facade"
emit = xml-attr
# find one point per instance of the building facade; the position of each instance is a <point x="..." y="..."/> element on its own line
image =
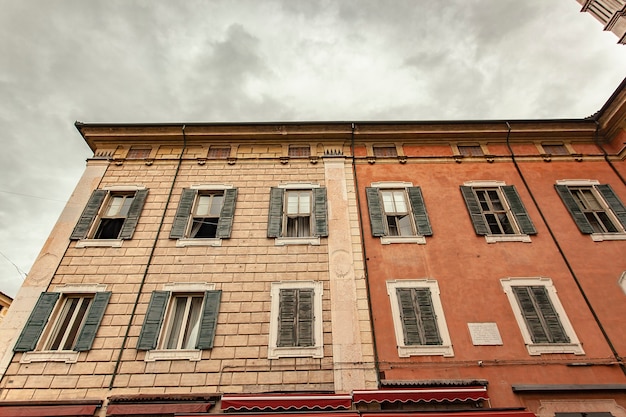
<point x="611" y="13"/>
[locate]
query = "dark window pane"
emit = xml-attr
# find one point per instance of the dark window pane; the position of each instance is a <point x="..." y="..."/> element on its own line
<point x="109" y="229"/>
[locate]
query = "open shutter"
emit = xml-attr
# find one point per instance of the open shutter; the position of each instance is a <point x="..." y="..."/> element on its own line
<point x="376" y="211"/>
<point x="133" y="214"/>
<point x="92" y="322"/>
<point x="287" y="317"/>
<point x="89" y="214"/>
<point x="275" y="216"/>
<point x="614" y="202"/>
<point x="554" y="329"/>
<point x="473" y="207"/>
<point x="208" y="323"/>
<point x="577" y="214"/>
<point x="182" y="213"/>
<point x="225" y="223"/>
<point x="153" y="321"/>
<point x="428" y="318"/>
<point x="519" y="211"/>
<point x="409" y="317"/>
<point x="36" y="322"/>
<point x="320" y="212"/>
<point x="420" y="215"/>
<point x="306" y="318"/>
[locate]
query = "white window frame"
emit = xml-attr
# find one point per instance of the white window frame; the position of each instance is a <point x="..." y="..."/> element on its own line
<point x="405" y="351"/>
<point x="307" y="240"/>
<point x="399" y="185"/>
<point x="315" y="351"/>
<point x="574" y="346"/>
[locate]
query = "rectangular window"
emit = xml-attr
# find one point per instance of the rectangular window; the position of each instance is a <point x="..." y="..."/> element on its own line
<point x="219" y="152"/>
<point x="397" y="218"/>
<point x="183" y="322"/>
<point x="69" y="321"/>
<point x="297" y="214"/>
<point x="594" y="211"/>
<point x="138" y="153"/>
<point x="206" y="215"/>
<point x="385" y="151"/>
<point x="552" y="149"/>
<point x="471" y="150"/>
<point x="495" y="212"/>
<point x="113" y="215"/>
<point x="299" y="151"/>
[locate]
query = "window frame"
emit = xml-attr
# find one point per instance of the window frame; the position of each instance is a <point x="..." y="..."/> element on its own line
<point x="404" y="351"/>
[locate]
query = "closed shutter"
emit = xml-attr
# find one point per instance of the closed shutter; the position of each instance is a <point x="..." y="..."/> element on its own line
<point x="154" y="319"/>
<point x="579" y="217"/>
<point x="519" y="211"/>
<point x="92" y="322"/>
<point x="539" y="314"/>
<point x="208" y="323"/>
<point x="420" y="215"/>
<point x="306" y="318"/>
<point x="36" y="322"/>
<point x="275" y="215"/>
<point x="614" y="202"/>
<point x="428" y="317"/>
<point x="225" y="223"/>
<point x="320" y="212"/>
<point x="376" y="211"/>
<point x="417" y="313"/>
<point x="89" y="214"/>
<point x="409" y="317"/>
<point x="475" y="212"/>
<point x="133" y="214"/>
<point x="287" y="318"/>
<point x="183" y="211"/>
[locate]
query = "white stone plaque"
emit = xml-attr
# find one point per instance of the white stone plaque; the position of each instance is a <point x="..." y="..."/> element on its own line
<point x="485" y="334"/>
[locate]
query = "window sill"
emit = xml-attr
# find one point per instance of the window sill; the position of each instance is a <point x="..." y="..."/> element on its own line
<point x="181" y="243"/>
<point x="386" y="240"/>
<point x="173" y="355"/>
<point x="295" y="352"/>
<point x="507" y="238"/>
<point x="67" y="356"/>
<point x="425" y="350"/>
<point x="540" y="348"/>
<point x="282" y="241"/>
<point x="103" y="243"/>
<point x="599" y="237"/>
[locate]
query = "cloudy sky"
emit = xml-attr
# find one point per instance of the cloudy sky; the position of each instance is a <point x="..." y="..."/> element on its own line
<point x="272" y="60"/>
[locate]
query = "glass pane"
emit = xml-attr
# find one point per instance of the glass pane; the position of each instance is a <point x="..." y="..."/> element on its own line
<point x="202" y="206"/>
<point x="193" y="324"/>
<point x="506" y="224"/>
<point x="495" y="200"/>
<point x="305" y="202"/>
<point x="180" y="304"/>
<point x="392" y="226"/>
<point x="114" y="205"/>
<point x="72" y="332"/>
<point x="606" y="221"/>
<point x="63" y="322"/>
<point x="128" y="200"/>
<point x="388" y="203"/>
<point x="482" y="199"/>
<point x="591" y="201"/>
<point x="292" y="203"/>
<point x="404" y="224"/>
<point x="216" y="205"/>
<point x="398" y="197"/>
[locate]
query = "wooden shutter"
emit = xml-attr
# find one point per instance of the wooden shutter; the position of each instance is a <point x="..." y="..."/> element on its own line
<point x="306" y="318"/>
<point x="275" y="215"/>
<point x="519" y="211"/>
<point x="183" y="211"/>
<point x="36" y="322"/>
<point x="409" y="317"/>
<point x="428" y="317"/>
<point x="89" y="214"/>
<point x="577" y="214"/>
<point x="225" y="223"/>
<point x="92" y="322"/>
<point x="128" y="228"/>
<point x="475" y="212"/>
<point x="375" y="209"/>
<point x="287" y="318"/>
<point x="541" y="318"/>
<point x="614" y="202"/>
<point x="208" y="323"/>
<point x="420" y="215"/>
<point x="320" y="212"/>
<point x="417" y="313"/>
<point x="154" y="319"/>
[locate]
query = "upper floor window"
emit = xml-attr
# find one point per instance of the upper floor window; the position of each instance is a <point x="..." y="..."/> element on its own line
<point x="219" y="152"/>
<point x="471" y="150"/>
<point x="385" y="151"/>
<point x="299" y="151"/>
<point x="138" y="153"/>
<point x="554" y="149"/>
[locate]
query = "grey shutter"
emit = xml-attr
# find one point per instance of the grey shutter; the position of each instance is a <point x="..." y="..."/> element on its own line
<point x="551" y="319"/>
<point x="409" y="317"/>
<point x="208" y="323"/>
<point x="614" y="202"/>
<point x="36" y="322"/>
<point x="541" y="319"/>
<point x="92" y="322"/>
<point x="275" y="215"/>
<point x="575" y="211"/>
<point x="225" y="223"/>
<point x="287" y="317"/>
<point x="320" y="212"/>
<point x="128" y="228"/>
<point x="475" y="212"/>
<point x="182" y="213"/>
<point x="417" y="313"/>
<point x="306" y="318"/>
<point x="88" y="215"/>
<point x="153" y="321"/>
<point x="375" y="209"/>
<point x="428" y="317"/>
<point x="420" y="215"/>
<point x="519" y="211"/>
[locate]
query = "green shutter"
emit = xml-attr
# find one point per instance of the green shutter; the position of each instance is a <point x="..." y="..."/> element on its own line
<point x="92" y="322"/>
<point x="36" y="322"/>
<point x="306" y="318"/>
<point x="225" y="223"/>
<point x="182" y="213"/>
<point x="420" y="215"/>
<point x="320" y="212"/>
<point x="89" y="214"/>
<point x="375" y="209"/>
<point x="417" y="313"/>
<point x="208" y="323"/>
<point x="519" y="211"/>
<point x="554" y="328"/>
<point x="475" y="212"/>
<point x="133" y="214"/>
<point x="275" y="215"/>
<point x="575" y="211"/>
<point x="287" y="318"/>
<point x="539" y="314"/>
<point x="409" y="317"/>
<point x="614" y="202"/>
<point x="428" y="318"/>
<point x="154" y="319"/>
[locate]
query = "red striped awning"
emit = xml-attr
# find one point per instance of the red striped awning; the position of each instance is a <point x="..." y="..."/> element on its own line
<point x="286" y="402"/>
<point x="420" y="395"/>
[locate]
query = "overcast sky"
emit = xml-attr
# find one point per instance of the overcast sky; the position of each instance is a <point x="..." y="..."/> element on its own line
<point x="271" y="60"/>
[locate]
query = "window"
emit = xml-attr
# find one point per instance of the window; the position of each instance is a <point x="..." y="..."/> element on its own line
<point x="138" y="153"/>
<point x="595" y="208"/>
<point x="299" y="151"/>
<point x="219" y="152"/>
<point x="554" y="149"/>
<point x="110" y="215"/>
<point x="297" y="214"/>
<point x="385" y="151"/>
<point x="204" y="215"/>
<point x="295" y="320"/>
<point x="471" y="150"/>
<point x="419" y="323"/>
<point x="66" y="320"/>
<point x="181" y="319"/>
<point x="541" y="317"/>
<point x="397" y="213"/>
<point x="497" y="211"/>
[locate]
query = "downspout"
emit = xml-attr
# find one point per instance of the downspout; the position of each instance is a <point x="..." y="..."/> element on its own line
<point x="151" y="255"/>
<point x="596" y="139"/>
<point x="563" y="256"/>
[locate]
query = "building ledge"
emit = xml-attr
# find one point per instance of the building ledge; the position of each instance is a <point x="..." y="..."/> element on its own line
<point x="568" y="387"/>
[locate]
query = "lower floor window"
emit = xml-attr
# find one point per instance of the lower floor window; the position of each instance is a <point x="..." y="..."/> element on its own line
<point x="183" y="323"/>
<point x="71" y="319"/>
